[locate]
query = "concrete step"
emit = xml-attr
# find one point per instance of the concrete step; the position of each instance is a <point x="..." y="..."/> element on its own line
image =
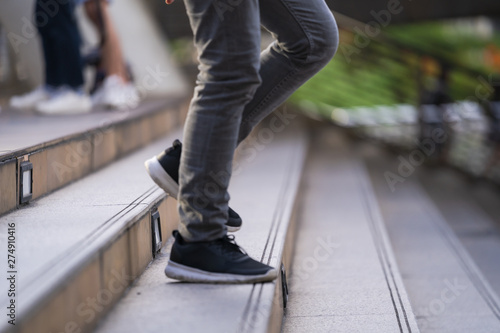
<point x="472" y="213"/>
<point x="78" y="249"/>
<point x="63" y="149"/>
<point x="344" y="277"/>
<point x="263" y="190"/>
<point x="446" y="246"/>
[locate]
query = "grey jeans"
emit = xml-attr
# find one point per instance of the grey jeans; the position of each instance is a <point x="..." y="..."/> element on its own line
<point x="237" y="87"/>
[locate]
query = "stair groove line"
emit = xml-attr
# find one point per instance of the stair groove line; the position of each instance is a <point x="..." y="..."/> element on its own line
<point x="379" y="244"/>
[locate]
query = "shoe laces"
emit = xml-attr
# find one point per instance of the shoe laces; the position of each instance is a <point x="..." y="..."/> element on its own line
<point x="229" y="246"/>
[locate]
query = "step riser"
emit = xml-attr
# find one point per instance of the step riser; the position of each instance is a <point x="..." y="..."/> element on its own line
<point x="58" y="163"/>
<point x="93" y="290"/>
<point x="278" y="309"/>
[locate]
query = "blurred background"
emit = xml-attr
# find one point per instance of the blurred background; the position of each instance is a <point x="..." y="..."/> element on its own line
<point x="402" y="69"/>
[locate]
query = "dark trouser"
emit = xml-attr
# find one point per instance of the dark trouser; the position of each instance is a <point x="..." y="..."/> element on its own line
<point x="237" y="87"/>
<point x="58" y="29"/>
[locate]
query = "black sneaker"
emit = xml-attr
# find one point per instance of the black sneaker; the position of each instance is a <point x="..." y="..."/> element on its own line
<point x="219" y="261"/>
<point x="164" y="170"/>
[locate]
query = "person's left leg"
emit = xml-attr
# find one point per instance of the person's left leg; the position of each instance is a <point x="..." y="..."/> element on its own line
<point x="306" y="40"/>
<point x="229" y="51"/>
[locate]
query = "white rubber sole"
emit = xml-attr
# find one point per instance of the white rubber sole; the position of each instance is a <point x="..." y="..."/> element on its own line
<point x="188" y="274"/>
<point x="163" y="179"/>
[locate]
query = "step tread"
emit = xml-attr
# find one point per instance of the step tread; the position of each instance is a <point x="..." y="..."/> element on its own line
<point x="447" y="289"/>
<point x="263" y="190"/>
<point x="56" y="233"/>
<point x="344" y="277"/>
<point x="474" y="222"/>
<point x="27" y="131"/>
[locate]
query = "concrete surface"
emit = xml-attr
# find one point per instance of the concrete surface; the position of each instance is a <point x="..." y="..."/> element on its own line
<point x="344" y="278"/>
<point x="447" y="289"/>
<point x="464" y="206"/>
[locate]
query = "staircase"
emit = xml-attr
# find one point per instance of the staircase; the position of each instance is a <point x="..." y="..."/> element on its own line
<point x="353" y="256"/>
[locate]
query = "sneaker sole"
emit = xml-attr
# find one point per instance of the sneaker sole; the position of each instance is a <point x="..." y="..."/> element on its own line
<point x="161" y="177"/>
<point x="189" y="274"/>
<point x="167" y="183"/>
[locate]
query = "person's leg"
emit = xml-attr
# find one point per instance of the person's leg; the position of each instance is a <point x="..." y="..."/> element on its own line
<point x="307" y="39"/>
<point x="228" y="44"/>
<point x="61" y="43"/>
<point x="112" y="61"/>
<point x="44" y="26"/>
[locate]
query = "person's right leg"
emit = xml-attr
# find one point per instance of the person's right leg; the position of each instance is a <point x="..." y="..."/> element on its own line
<point x="307" y="38"/>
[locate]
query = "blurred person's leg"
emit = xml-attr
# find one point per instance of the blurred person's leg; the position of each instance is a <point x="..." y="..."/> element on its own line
<point x="63" y="61"/>
<point x="63" y="89"/>
<point x="116" y="91"/>
<point x="61" y="43"/>
<point x="112" y="61"/>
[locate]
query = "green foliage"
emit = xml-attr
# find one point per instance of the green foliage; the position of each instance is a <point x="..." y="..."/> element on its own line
<point x="386" y="71"/>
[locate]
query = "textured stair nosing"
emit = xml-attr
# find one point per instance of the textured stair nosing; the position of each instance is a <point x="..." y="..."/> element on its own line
<point x="433" y="260"/>
<point x="284" y="224"/>
<point x="354" y="284"/>
<point x="399" y="297"/>
<point x="470" y="268"/>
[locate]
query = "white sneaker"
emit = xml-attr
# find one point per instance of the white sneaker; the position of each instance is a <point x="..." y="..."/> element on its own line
<point x="29" y="100"/>
<point x="116" y="94"/>
<point x="66" y="102"/>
